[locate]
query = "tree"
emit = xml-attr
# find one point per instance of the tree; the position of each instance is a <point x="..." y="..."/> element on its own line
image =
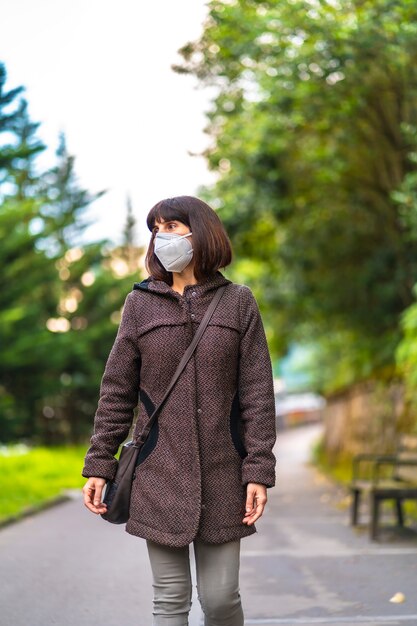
<point x="129" y="252"/>
<point x="64" y="203"/>
<point x="61" y="298"/>
<point x="28" y="279"/>
<point x="311" y="131"/>
<point x="7" y="121"/>
<point x="87" y="298"/>
<point x="26" y="275"/>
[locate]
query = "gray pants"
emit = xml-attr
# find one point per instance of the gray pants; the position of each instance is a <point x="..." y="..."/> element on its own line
<point x="217" y="567"/>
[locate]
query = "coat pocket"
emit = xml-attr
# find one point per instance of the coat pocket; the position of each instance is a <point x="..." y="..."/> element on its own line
<point x="150" y="443"/>
<point x="235" y="426"/>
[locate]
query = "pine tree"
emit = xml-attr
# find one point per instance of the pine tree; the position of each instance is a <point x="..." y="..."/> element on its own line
<point x="129" y="235"/>
<point x="129" y="252"/>
<point x="8" y="151"/>
<point x="26" y="275"/>
<point x="61" y="298"/>
<point x="15" y="157"/>
<point x="28" y="147"/>
<point x="64" y="203"/>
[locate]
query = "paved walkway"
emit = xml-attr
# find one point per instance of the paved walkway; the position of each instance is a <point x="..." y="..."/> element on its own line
<point x="305" y="566"/>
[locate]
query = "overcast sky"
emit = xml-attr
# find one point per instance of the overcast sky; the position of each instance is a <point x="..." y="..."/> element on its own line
<point x="100" y="72"/>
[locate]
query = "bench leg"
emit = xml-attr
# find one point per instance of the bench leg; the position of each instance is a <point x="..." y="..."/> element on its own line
<point x="355" y="507"/>
<point x="375" y="502"/>
<point x="400" y="516"/>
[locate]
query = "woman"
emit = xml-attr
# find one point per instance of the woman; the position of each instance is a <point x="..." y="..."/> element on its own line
<point x="203" y="473"/>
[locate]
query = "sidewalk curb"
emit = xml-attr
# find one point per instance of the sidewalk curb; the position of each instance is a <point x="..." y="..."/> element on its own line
<point x="34" y="509"/>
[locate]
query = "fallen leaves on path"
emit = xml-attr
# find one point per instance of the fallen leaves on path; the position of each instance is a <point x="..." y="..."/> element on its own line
<point x="398" y="597"/>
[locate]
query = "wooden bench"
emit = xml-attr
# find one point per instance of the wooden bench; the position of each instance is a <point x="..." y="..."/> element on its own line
<point x="399" y="485"/>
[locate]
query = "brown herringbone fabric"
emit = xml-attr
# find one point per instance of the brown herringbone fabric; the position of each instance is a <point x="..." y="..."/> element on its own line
<point x="215" y="432"/>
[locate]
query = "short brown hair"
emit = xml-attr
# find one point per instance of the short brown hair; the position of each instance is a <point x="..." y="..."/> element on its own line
<point x="211" y="245"/>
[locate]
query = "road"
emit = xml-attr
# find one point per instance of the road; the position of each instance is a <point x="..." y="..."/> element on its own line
<point x="304" y="566"/>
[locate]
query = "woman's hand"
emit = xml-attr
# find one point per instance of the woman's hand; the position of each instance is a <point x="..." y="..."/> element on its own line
<point x="256" y="499"/>
<point x="92" y="491"/>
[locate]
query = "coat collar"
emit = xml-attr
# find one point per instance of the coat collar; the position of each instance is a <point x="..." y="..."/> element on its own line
<point x="159" y="286"/>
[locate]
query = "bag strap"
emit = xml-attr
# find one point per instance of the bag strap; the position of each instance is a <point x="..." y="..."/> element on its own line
<point x="186" y="357"/>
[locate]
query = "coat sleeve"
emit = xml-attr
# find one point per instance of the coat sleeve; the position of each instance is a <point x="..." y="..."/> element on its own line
<point x="119" y="394"/>
<point x="256" y="395"/>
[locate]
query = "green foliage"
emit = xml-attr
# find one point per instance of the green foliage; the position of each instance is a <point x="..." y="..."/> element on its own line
<point x="61" y="299"/>
<point x="339" y="468"/>
<point x="32" y="477"/>
<point x="406" y="357"/>
<point x="313" y="130"/>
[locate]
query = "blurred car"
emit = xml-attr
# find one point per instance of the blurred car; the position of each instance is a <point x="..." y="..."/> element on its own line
<point x="298" y="408"/>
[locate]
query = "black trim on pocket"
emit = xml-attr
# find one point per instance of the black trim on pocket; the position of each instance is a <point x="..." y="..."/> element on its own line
<point x="152" y="439"/>
<point x="235" y="425"/>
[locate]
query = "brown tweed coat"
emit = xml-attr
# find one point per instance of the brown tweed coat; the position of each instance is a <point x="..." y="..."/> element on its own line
<point x="215" y="432"/>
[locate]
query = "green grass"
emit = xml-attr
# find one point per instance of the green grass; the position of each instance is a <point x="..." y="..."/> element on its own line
<point x="32" y="478"/>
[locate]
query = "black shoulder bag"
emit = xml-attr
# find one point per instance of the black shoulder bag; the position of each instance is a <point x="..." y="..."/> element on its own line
<point x="118" y="490"/>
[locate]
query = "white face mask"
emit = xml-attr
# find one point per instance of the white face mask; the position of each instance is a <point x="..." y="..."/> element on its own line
<point x="173" y="250"/>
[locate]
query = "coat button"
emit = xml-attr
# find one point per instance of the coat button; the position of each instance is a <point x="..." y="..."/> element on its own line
<point x="192" y="316"/>
<point x="198" y="410"/>
<point x="194" y="293"/>
<point x="203" y="506"/>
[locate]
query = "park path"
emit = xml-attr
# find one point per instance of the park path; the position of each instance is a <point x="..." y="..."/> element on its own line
<point x="305" y="566"/>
